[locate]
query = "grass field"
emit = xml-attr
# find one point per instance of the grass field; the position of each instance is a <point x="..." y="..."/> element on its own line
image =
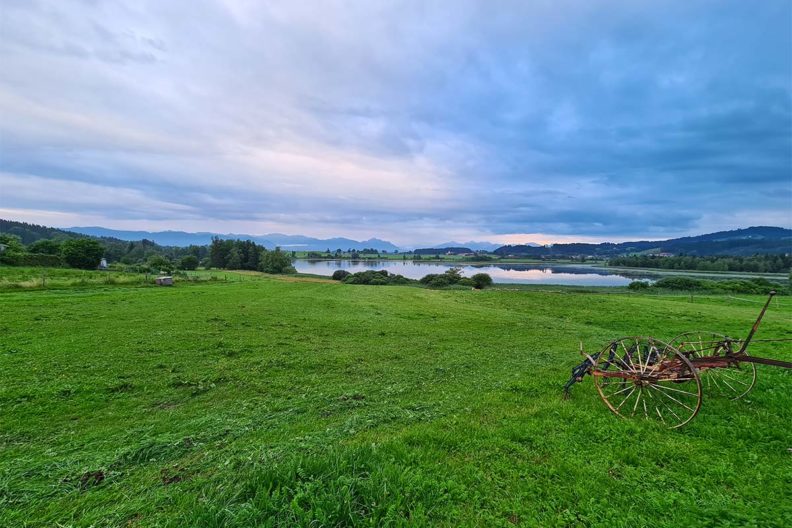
<point x="273" y="402"/>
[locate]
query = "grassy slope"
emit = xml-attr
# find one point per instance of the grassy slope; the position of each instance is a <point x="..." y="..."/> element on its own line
<point x="272" y="402"/>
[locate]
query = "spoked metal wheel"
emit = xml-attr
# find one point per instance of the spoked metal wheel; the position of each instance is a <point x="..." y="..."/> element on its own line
<point x="734" y="381"/>
<point x="642" y="377"/>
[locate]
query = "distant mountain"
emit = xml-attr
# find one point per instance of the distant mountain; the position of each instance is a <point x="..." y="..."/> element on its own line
<point x="475" y="246"/>
<point x="740" y="242"/>
<point x="443" y="251"/>
<point x="289" y="242"/>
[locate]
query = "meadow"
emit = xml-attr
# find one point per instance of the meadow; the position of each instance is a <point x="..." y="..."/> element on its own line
<point x="282" y="401"/>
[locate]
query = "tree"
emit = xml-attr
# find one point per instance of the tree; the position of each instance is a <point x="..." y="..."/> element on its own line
<point x="340" y="275"/>
<point x="160" y="263"/>
<point x="83" y="253"/>
<point x="481" y="281"/>
<point x="48" y="247"/>
<point x="275" y="262"/>
<point x="189" y="262"/>
<point x="11" y="243"/>
<point x="234" y="259"/>
<point x="219" y="250"/>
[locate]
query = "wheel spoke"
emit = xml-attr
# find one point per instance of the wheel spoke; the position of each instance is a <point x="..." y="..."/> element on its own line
<point x="620" y="391"/>
<point x="672" y="398"/>
<point x="625" y="399"/>
<point x="627" y="355"/>
<point x="679" y="390"/>
<point x="637" y="400"/>
<point x="733" y="381"/>
<point x="727" y="384"/>
<point x="725" y="375"/>
<point x="642" y="361"/>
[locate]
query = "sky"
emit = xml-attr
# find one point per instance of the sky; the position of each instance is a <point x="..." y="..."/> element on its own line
<point x="411" y="121"/>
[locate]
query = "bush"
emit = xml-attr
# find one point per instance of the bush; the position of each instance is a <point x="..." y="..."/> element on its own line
<point x="31" y="259"/>
<point x="189" y="262"/>
<point x="441" y="280"/>
<point x="638" y="285"/>
<point x="758" y="286"/>
<point x="340" y="275"/>
<point x="435" y="280"/>
<point x="160" y="263"/>
<point x="50" y="247"/>
<point x="481" y="281"/>
<point x="375" y="278"/>
<point x="679" y="283"/>
<point x="82" y="253"/>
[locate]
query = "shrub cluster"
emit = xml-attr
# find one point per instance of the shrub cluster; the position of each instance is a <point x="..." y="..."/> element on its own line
<point x="340" y="275"/>
<point x="454" y="277"/>
<point x="31" y="259"/>
<point x="755" y="263"/>
<point x="756" y="285"/>
<point x="376" y="278"/>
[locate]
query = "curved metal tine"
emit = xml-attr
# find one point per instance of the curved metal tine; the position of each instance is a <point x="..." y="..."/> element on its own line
<point x="612" y="357"/>
<point x="700" y="352"/>
<point x="657" y="357"/>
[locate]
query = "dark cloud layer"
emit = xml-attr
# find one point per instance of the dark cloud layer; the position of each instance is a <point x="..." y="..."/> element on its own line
<point x="399" y="119"/>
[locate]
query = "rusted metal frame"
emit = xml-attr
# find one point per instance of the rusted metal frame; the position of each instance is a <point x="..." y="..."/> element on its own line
<point x="637" y="376"/>
<point x="756" y="324"/>
<point x="767" y="361"/>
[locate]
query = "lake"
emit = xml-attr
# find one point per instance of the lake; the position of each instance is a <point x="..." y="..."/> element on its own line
<point x="562" y="274"/>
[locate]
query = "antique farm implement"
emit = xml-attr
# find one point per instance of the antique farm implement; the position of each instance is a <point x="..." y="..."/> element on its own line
<point x="648" y="378"/>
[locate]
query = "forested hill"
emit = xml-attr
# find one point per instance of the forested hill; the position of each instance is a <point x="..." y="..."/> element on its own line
<point x="114" y="249"/>
<point x="29" y="233"/>
<point x="740" y="242"/>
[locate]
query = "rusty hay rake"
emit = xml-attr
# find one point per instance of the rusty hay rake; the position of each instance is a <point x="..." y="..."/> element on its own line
<point x="644" y="377"/>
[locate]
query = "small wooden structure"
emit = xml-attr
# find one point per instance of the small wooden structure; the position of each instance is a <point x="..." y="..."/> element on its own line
<point x="164" y="281"/>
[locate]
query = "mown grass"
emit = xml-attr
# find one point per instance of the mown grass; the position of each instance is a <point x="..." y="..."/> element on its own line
<point x="275" y="402"/>
<point x="36" y="278"/>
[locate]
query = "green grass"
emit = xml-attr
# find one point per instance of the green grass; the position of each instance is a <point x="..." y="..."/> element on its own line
<point x="283" y="402"/>
<point x="35" y="278"/>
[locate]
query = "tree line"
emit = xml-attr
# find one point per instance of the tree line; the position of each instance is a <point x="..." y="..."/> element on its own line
<point x="247" y="255"/>
<point x="86" y="253"/>
<point x="755" y="263"/>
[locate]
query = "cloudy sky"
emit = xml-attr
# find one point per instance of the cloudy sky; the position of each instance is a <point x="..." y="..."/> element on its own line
<point x="414" y="121"/>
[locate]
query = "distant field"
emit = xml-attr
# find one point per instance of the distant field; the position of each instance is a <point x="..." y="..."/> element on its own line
<point x="277" y="402"/>
<point x="35" y="278"/>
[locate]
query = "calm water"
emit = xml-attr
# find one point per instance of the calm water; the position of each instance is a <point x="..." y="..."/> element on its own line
<point x="504" y="273"/>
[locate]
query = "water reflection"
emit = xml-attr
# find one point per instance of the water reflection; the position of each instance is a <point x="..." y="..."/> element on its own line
<point x="505" y="273"/>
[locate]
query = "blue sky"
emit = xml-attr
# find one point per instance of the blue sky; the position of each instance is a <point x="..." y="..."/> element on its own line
<point x="412" y="121"/>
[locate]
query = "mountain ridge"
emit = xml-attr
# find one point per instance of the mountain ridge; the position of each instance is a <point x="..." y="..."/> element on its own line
<point x="269" y="240"/>
<point x="737" y="242"/>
